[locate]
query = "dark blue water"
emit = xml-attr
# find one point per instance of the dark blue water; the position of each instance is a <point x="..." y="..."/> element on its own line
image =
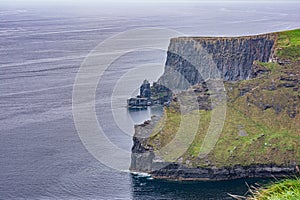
<point x="42" y="47"/>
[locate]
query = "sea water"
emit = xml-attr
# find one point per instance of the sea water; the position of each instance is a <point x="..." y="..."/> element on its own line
<point x="43" y="45"/>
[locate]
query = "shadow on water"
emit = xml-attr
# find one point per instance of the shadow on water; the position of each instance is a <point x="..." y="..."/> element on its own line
<point x="144" y="187"/>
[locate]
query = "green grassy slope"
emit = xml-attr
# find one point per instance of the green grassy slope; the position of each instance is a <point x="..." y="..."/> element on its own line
<point x="288" y="44"/>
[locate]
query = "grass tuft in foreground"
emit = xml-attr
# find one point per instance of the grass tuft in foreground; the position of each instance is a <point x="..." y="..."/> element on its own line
<point x="287" y="189"/>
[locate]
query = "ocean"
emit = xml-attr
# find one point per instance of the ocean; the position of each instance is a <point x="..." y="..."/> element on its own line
<point x="43" y="46"/>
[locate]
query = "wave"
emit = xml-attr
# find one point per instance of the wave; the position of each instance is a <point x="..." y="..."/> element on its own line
<point x="40" y="61"/>
<point x="141" y="174"/>
<point x="49" y="60"/>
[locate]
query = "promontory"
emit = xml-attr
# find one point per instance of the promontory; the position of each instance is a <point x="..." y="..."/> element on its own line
<point x="233" y="110"/>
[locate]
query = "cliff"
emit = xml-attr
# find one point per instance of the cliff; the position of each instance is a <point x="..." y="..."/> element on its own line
<point x="199" y="58"/>
<point x="260" y="97"/>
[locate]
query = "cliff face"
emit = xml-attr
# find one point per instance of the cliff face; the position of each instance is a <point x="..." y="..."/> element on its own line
<point x="230" y="58"/>
<point x="260" y="137"/>
<point x="142" y="155"/>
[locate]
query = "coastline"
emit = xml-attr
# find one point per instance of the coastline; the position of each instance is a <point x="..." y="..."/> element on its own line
<point x="262" y="61"/>
<point x="148" y="165"/>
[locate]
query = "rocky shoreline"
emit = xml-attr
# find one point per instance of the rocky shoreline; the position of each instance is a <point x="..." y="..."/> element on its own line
<point x="181" y="172"/>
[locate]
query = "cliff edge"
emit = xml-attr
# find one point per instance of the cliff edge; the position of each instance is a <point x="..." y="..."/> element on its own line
<point x="260" y="131"/>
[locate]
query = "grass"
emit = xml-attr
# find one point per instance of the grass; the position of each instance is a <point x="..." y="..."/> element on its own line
<point x="293" y="35"/>
<point x="270" y="137"/>
<point x="288" y="189"/>
<point x="288" y="45"/>
<point x="273" y="67"/>
<point x="175" y="133"/>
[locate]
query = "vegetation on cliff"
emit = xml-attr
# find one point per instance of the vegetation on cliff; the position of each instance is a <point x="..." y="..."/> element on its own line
<point x="262" y="123"/>
<point x="288" y="45"/>
<point x="288" y="189"/>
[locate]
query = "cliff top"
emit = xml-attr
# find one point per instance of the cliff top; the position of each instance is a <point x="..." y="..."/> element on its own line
<point x="268" y="35"/>
<point x="271" y="35"/>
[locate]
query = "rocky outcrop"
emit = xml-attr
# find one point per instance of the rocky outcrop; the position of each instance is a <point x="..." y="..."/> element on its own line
<point x="142" y="155"/>
<point x="177" y="171"/>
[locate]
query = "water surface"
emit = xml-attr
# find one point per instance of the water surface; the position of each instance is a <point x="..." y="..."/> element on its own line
<point x="41" y="49"/>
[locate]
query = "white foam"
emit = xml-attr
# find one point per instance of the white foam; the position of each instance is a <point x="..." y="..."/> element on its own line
<point x="141" y="174"/>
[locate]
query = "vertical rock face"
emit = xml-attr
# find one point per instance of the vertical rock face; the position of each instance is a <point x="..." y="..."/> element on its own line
<point x="199" y="58"/>
<point x="142" y="155"/>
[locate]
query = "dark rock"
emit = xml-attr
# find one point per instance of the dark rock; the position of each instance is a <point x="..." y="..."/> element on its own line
<point x="145" y="90"/>
<point x="180" y="172"/>
<point x="258" y="70"/>
<point x="287" y="85"/>
<point x="197" y="59"/>
<point x="271" y="87"/>
<point x="142" y="154"/>
<point x="283" y="62"/>
<point x="292" y="113"/>
<point x="278" y="108"/>
<point x="244" y="91"/>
